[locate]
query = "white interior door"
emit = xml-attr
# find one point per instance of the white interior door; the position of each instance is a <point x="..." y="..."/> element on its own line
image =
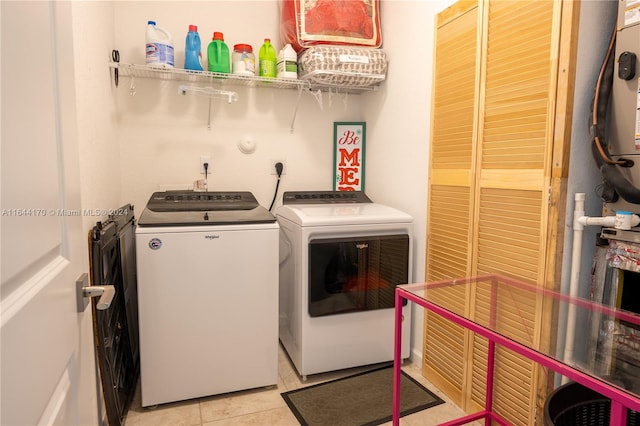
<point x="47" y="357"/>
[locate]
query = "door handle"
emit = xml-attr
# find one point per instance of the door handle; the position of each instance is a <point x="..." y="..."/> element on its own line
<point x="84" y="292"/>
<point x="105" y="292"/>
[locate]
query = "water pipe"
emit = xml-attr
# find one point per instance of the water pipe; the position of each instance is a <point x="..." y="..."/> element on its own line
<point x="622" y="220"/>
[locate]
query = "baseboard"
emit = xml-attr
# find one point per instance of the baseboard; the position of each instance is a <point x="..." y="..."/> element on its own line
<point x="416" y="356"/>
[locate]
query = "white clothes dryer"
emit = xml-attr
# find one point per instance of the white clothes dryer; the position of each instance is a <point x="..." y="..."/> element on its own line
<point x="341" y="257"/>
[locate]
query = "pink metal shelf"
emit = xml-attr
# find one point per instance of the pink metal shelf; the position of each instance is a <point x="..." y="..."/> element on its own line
<point x="503" y="291"/>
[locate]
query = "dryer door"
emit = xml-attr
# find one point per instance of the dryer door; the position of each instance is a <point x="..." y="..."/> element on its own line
<point x="356" y="274"/>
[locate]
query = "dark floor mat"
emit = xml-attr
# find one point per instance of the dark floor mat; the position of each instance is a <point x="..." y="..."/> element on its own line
<point x="362" y="399"/>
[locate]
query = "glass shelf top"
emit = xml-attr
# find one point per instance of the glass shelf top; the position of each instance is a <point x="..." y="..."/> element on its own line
<point x="599" y="336"/>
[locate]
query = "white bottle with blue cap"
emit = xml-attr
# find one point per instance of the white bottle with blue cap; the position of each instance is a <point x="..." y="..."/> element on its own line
<point x="159" y="47"/>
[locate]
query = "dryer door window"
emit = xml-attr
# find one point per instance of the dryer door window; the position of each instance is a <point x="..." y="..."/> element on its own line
<point x="356" y="274"/>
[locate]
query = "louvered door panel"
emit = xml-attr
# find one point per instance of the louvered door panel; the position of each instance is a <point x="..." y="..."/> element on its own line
<point x="444" y="346"/>
<point x="452" y="143"/>
<point x="511" y="390"/>
<point x="447" y="256"/>
<point x="455" y="94"/>
<point x="509" y="233"/>
<point x="452" y="157"/>
<point x="515" y="317"/>
<point x="448" y="244"/>
<point x="512" y="393"/>
<point x="513" y="177"/>
<point x="518" y="81"/>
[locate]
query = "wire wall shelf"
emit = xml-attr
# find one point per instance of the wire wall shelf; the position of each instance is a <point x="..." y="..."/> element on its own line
<point x="223" y="79"/>
<point x="215" y="85"/>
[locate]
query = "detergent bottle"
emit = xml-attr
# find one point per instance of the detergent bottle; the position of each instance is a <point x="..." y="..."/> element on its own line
<point x="218" y="54"/>
<point x="267" y="59"/>
<point x="159" y="46"/>
<point x="287" y="65"/>
<point x="192" y="50"/>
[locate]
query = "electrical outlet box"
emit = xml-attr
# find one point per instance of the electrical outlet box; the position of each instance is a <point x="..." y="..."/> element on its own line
<point x="273" y="167"/>
<point x="205" y="159"/>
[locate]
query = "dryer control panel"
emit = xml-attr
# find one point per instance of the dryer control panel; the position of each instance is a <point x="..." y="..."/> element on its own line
<point x="324" y="197"/>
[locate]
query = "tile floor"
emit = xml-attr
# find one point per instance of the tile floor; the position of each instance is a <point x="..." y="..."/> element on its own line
<point x="265" y="406"/>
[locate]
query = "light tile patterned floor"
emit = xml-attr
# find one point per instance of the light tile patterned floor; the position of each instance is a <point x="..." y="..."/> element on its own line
<point x="265" y="406"/>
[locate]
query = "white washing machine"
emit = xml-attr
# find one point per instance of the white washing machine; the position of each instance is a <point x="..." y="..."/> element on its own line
<point x="207" y="267"/>
<point x="341" y="257"/>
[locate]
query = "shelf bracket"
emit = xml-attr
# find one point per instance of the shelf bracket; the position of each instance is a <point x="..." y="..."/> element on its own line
<point x="211" y="93"/>
<point x="318" y="95"/>
<point x="209" y="119"/>
<point x="345" y="99"/>
<point x="344" y="96"/>
<point x="132" y="87"/>
<point x="295" y="109"/>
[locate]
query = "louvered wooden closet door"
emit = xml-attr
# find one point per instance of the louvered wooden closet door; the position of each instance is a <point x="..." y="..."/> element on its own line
<point x="504" y="206"/>
<point x="450" y="182"/>
<point x="513" y="179"/>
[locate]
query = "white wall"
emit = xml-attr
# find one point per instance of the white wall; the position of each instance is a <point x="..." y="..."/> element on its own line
<point x="597" y="20"/>
<point x="162" y="134"/>
<point x="99" y="152"/>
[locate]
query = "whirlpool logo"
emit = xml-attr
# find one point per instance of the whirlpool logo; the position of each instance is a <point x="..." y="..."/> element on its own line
<point x="211" y="237"/>
<point x="155" y="243"/>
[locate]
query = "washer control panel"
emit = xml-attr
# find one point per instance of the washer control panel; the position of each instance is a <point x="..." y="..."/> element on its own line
<point x="182" y="201"/>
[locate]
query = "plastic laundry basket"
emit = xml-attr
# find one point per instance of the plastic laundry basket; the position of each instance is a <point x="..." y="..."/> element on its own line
<point x="575" y="405"/>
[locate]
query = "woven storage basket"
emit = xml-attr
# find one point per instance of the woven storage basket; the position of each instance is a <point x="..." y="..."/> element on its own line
<point x="343" y="65"/>
<point x="575" y="405"/>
